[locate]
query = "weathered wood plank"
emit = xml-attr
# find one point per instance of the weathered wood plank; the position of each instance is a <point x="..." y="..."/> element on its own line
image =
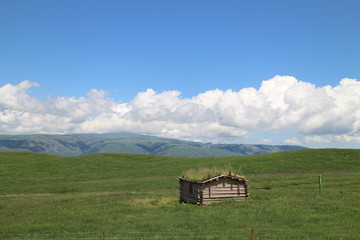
<point x="225" y="189"/>
<point x="207" y="203"/>
<point x="189" y="199"/>
<point x="220" y="199"/>
<point x="229" y="187"/>
<point x="225" y="192"/>
<point x="190" y="195"/>
<point x="222" y="196"/>
<point x="228" y="196"/>
<point x="224" y="185"/>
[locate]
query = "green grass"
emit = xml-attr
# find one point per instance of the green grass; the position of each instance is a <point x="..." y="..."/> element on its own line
<point x="136" y="197"/>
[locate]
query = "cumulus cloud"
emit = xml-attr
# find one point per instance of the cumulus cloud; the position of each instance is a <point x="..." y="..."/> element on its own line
<point x="332" y="138"/>
<point x="292" y="141"/>
<point x="281" y="103"/>
<point x="266" y="140"/>
<point x="17" y="97"/>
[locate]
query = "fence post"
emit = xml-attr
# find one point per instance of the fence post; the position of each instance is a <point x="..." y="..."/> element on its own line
<point x="252" y="234"/>
<point x="320" y="185"/>
<point x="103" y="236"/>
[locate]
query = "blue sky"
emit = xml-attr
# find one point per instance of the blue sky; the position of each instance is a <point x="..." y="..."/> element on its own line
<point x="108" y="53"/>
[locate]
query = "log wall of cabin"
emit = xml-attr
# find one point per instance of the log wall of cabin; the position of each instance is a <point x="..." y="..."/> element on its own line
<point x="186" y="195"/>
<point x="223" y="189"/>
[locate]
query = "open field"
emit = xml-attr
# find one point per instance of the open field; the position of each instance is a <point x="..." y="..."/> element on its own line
<point x="136" y="197"/>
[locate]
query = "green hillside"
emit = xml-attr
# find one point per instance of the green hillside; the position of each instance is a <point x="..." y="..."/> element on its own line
<point x="84" y="144"/>
<point x="136" y="197"/>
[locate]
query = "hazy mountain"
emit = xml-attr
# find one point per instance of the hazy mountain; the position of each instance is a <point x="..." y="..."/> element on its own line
<point x="83" y="144"/>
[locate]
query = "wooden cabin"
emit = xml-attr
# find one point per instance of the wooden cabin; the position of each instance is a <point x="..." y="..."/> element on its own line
<point x="213" y="189"/>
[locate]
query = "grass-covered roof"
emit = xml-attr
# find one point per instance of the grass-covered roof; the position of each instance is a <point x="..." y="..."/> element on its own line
<point x="202" y="174"/>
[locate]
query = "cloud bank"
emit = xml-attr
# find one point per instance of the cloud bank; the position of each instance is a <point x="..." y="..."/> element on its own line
<point x="319" y="114"/>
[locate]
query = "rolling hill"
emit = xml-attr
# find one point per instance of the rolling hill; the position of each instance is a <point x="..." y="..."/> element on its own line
<point x="84" y="144"/>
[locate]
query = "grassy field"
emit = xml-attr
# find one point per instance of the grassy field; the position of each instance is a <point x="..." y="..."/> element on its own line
<point x="136" y="197"/>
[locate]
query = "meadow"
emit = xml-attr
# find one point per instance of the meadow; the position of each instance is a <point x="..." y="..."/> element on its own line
<point x="124" y="196"/>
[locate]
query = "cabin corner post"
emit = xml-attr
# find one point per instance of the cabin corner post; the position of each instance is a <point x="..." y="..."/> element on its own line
<point x="181" y="191"/>
<point x="201" y="195"/>
<point x="246" y="189"/>
<point x="180" y="197"/>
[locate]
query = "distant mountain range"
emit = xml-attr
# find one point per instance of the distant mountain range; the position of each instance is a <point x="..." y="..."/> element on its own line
<point x="83" y="144"/>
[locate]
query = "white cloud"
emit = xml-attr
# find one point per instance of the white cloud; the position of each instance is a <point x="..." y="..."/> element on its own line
<point x="17" y="97"/>
<point x="266" y="140"/>
<point x="332" y="138"/>
<point x="292" y="141"/>
<point x="281" y="103"/>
